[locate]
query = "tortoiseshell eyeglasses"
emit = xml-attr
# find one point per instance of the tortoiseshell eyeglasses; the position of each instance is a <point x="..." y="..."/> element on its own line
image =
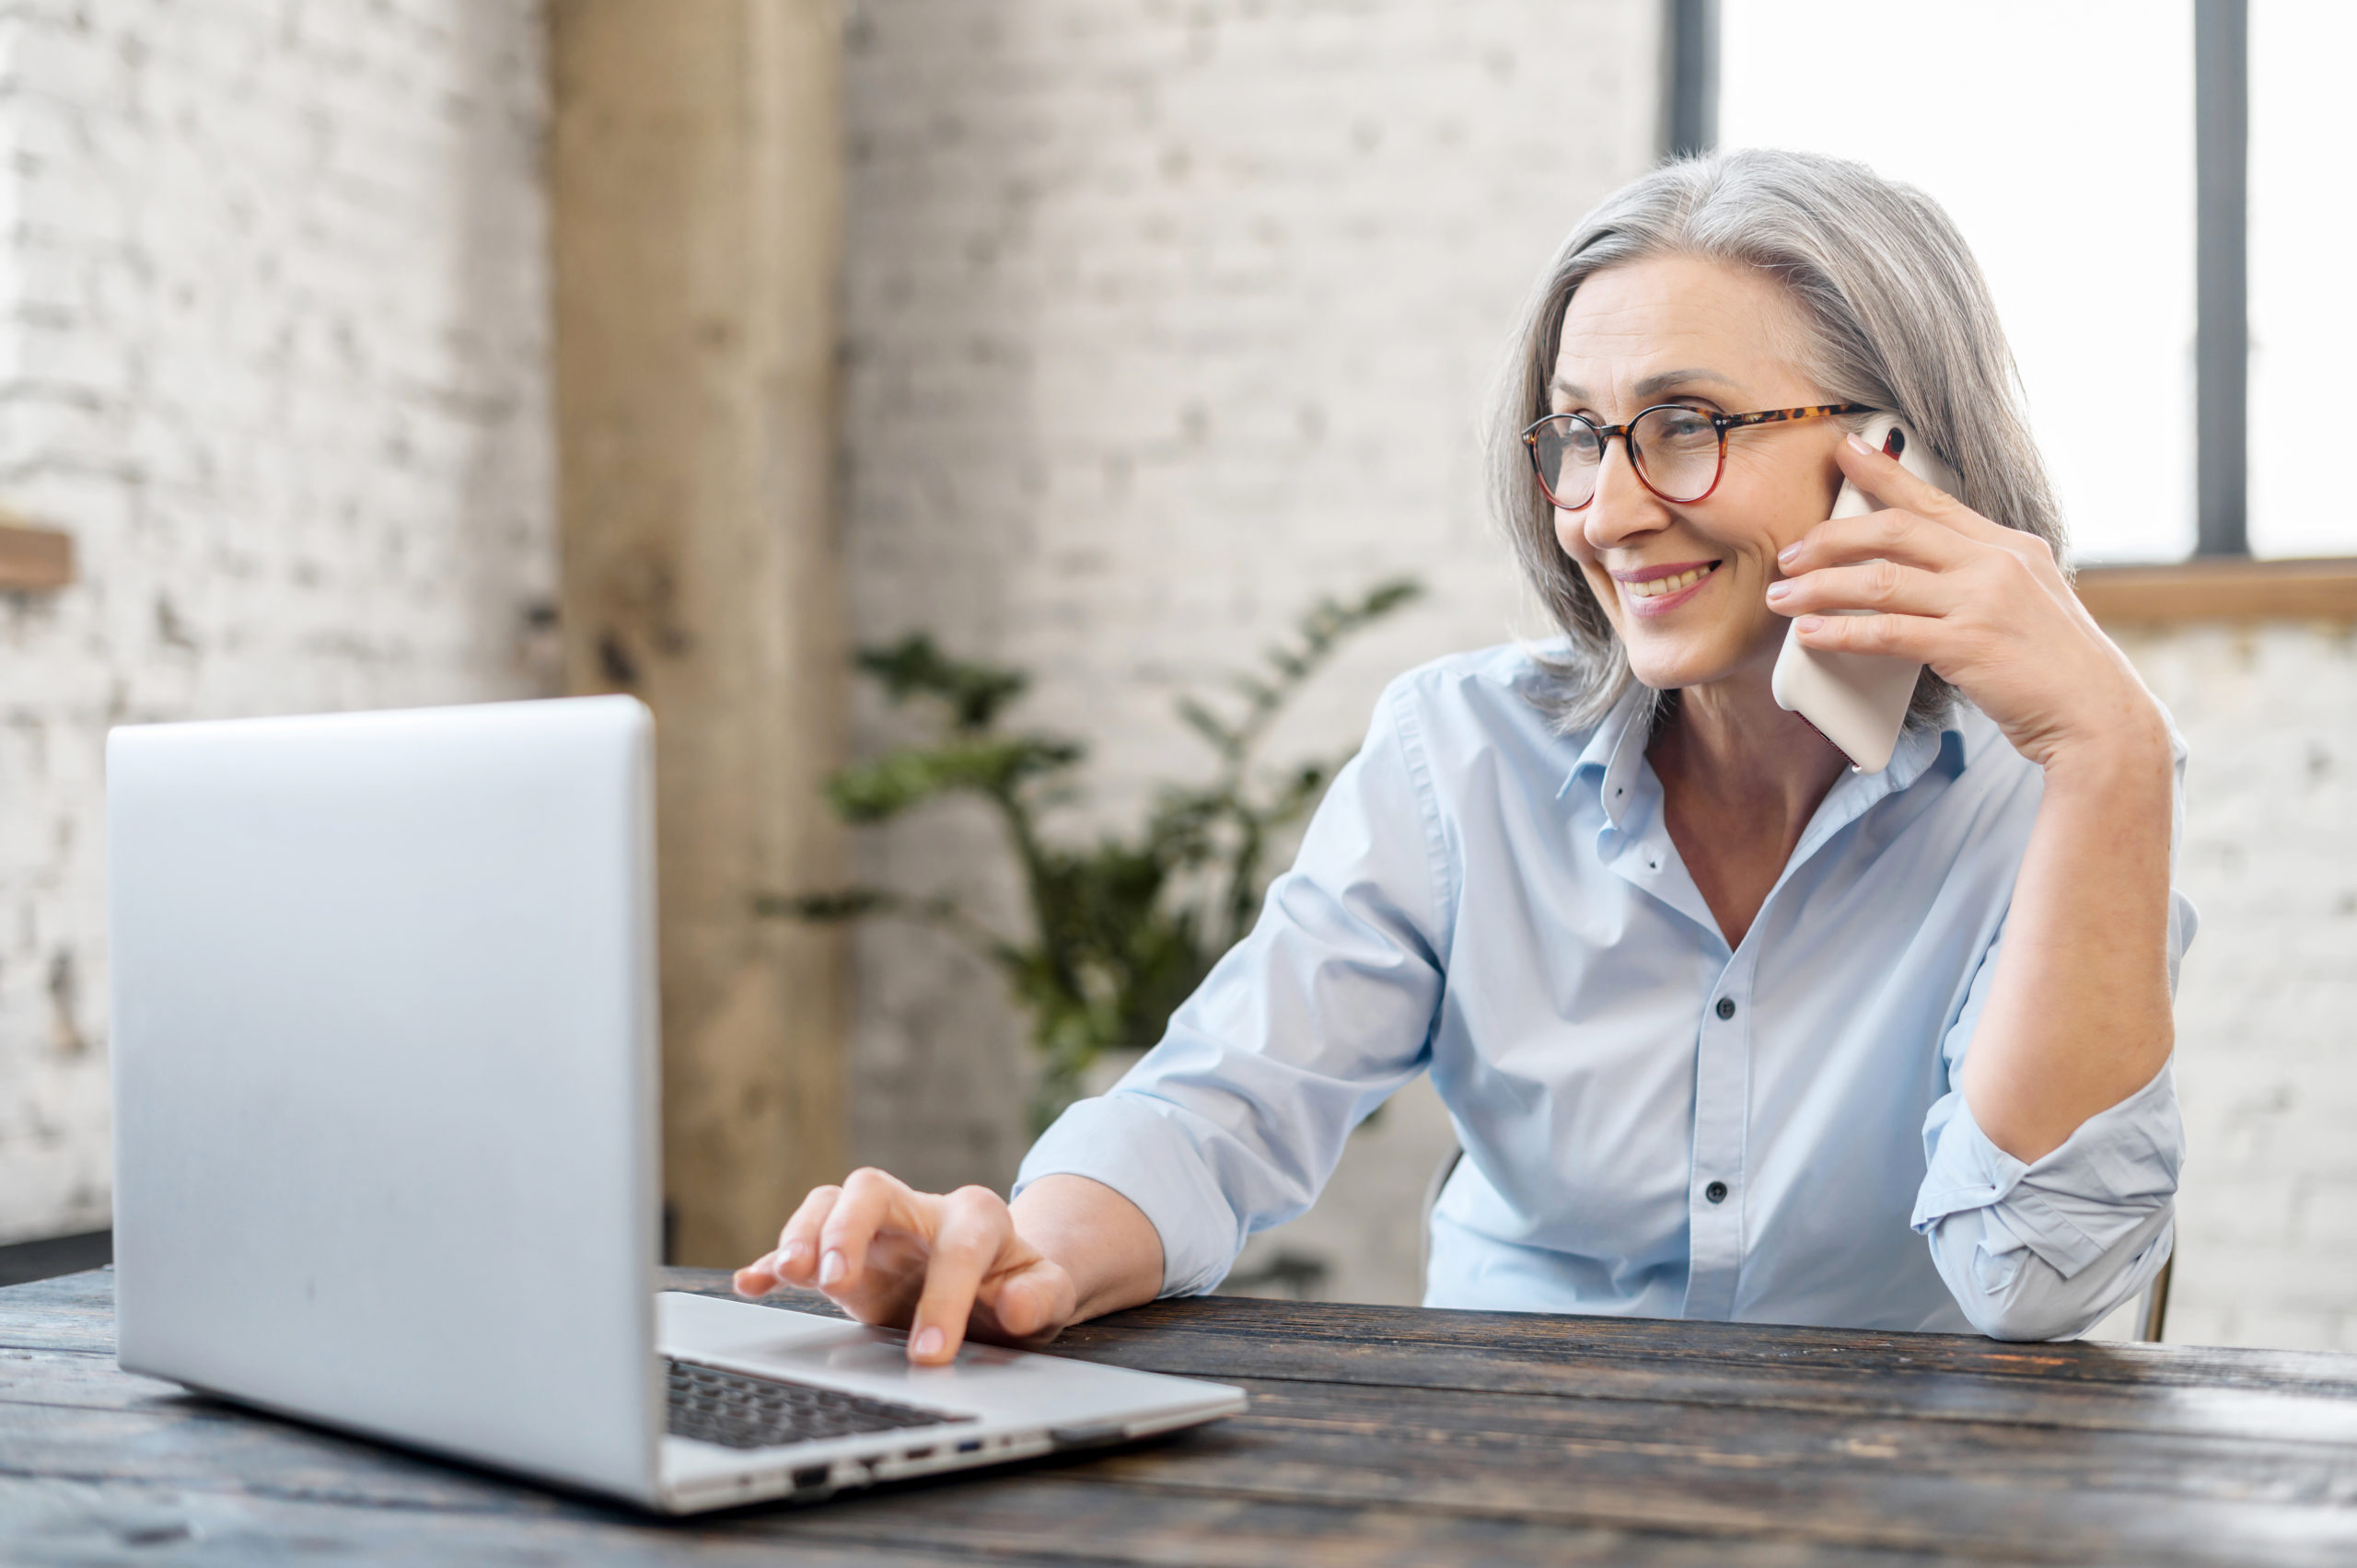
<point x="1678" y="452"/>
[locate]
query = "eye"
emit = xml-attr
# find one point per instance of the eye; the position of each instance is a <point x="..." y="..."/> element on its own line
<point x="1679" y="428"/>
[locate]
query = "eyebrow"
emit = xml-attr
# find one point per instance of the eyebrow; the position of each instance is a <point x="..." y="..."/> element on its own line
<point x="1654" y="385"/>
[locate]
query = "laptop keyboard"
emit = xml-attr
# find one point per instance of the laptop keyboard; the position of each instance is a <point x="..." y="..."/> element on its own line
<point x="740" y="1411"/>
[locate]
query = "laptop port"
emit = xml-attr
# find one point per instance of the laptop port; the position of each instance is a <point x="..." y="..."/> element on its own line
<point x="917" y="1454"/>
<point x="1095" y="1436"/>
<point x="808" y="1476"/>
<point x="971" y="1445"/>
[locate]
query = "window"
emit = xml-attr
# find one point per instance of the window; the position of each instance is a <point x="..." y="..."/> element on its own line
<point x="2303" y="314"/>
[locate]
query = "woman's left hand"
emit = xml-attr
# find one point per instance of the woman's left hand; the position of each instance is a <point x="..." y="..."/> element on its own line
<point x="1986" y="606"/>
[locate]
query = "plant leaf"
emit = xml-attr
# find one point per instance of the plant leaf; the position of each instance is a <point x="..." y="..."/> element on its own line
<point x="914" y="667"/>
<point x="875" y="791"/>
<point x="1206" y="722"/>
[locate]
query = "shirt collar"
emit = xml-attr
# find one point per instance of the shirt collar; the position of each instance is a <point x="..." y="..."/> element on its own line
<point x="1854" y="794"/>
<point x="1921" y="746"/>
<point x="1615" y="752"/>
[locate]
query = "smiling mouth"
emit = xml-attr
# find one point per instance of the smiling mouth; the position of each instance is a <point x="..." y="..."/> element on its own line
<point x="1659" y="586"/>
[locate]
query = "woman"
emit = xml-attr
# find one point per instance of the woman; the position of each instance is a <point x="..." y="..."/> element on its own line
<point x="1729" y="1030"/>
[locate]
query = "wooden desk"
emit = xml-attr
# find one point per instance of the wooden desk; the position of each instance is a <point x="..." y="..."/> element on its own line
<point x="1376" y="1435"/>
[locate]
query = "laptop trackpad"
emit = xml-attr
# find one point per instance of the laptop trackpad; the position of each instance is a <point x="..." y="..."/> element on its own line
<point x="874" y="1354"/>
<point x="756" y="1339"/>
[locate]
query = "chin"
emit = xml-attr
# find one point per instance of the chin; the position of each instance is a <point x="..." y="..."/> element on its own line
<point x="1667" y="670"/>
<point x="1701" y="656"/>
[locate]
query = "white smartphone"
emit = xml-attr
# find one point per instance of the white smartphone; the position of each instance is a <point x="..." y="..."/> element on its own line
<point x="1859" y="700"/>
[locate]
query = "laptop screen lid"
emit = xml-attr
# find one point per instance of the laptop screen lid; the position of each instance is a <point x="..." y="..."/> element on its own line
<point x="384" y="1052"/>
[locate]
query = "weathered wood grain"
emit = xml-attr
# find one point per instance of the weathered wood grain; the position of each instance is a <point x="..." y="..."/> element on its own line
<point x="1282" y="1327"/>
<point x="75" y="1312"/>
<point x="52" y="1522"/>
<point x="62" y="1523"/>
<point x="2045" y="1495"/>
<point x="1437" y="1432"/>
<point x="1376" y="1435"/>
<point x="2259" y="1394"/>
<point x="1273" y="1328"/>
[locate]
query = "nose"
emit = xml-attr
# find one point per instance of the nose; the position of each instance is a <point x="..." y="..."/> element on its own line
<point x="1624" y="507"/>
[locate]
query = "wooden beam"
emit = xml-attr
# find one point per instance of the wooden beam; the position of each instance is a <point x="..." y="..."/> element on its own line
<point x="33" y="558"/>
<point x="694" y="172"/>
<point x="2221" y="589"/>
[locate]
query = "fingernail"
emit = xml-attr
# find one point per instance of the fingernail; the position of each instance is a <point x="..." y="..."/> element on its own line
<point x="1809" y="622"/>
<point x="1789" y="554"/>
<point x="1778" y="590"/>
<point x="929" y="1343"/>
<point x="832" y="1268"/>
<point x="1862" y="445"/>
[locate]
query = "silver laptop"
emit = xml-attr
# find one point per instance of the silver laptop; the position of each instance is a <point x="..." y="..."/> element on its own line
<point x="385" y="1080"/>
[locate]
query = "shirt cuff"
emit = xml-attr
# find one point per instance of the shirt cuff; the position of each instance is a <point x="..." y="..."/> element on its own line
<point x="2072" y="1205"/>
<point x="1131" y="1143"/>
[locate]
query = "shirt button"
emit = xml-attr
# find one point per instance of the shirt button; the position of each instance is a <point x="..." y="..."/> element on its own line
<point x="1726" y="1006"/>
<point x="1716" y="1191"/>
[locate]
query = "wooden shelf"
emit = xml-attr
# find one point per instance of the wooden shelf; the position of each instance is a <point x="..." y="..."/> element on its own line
<point x="2221" y="589"/>
<point x="34" y="558"/>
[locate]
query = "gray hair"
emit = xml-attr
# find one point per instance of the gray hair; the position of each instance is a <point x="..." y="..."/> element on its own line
<point x="1899" y="319"/>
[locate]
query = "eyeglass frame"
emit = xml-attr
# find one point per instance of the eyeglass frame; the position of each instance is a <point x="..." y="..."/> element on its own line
<point x="1721" y="423"/>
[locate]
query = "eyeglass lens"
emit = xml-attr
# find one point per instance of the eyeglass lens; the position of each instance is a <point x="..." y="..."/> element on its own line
<point x="1676" y="453"/>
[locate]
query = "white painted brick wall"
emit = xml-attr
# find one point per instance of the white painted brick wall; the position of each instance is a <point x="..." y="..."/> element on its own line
<point x="2267" y="1005"/>
<point x="1161" y="321"/>
<point x="272" y="347"/>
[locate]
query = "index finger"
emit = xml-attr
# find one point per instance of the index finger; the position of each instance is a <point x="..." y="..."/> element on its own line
<point x="974" y="1230"/>
<point x="1888" y="481"/>
<point x="1895" y="536"/>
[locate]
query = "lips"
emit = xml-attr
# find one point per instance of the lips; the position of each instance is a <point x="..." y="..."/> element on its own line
<point x="1661" y="587"/>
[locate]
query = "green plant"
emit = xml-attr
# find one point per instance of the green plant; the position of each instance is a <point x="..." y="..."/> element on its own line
<point x="1123" y="929"/>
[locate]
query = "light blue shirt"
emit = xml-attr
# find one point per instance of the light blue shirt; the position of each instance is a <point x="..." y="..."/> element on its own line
<point x="1655" y="1125"/>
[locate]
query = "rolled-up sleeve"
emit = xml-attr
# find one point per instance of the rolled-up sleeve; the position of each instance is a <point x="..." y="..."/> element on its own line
<point x="2043" y="1251"/>
<point x="1236" y="1120"/>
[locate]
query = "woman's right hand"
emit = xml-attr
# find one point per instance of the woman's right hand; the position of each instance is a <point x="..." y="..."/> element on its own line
<point x="942" y="1265"/>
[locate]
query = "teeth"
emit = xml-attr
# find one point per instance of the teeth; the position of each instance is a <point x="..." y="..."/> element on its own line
<point x="1661" y="586"/>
